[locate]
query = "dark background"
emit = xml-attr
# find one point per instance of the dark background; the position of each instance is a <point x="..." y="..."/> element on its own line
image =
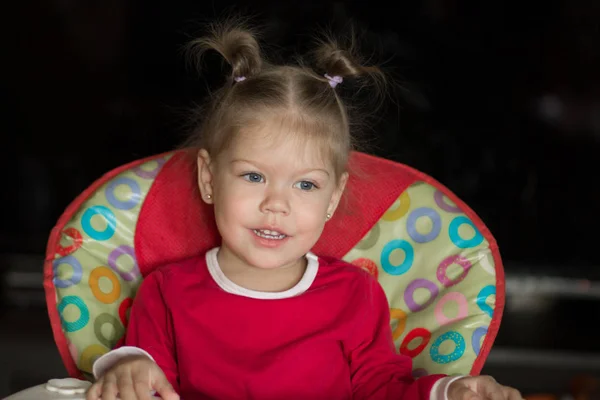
<point x="500" y="101"/>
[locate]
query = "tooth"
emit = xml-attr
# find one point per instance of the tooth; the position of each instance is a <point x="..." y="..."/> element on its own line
<point x="270" y="234"/>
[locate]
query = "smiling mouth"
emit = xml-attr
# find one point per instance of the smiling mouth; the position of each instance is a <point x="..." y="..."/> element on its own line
<point x="267" y="234"/>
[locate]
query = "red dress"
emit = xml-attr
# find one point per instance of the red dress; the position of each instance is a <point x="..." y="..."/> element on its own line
<point x="331" y="341"/>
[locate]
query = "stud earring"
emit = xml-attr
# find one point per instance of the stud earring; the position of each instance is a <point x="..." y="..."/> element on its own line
<point x="328" y="215"/>
<point x="208" y="196"/>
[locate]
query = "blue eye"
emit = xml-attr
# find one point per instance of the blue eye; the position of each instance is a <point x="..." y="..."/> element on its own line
<point x="253" y="177"/>
<point x="306" y="186"/>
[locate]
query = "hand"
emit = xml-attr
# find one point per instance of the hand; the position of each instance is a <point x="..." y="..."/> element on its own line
<point x="481" y="388"/>
<point x="132" y="379"/>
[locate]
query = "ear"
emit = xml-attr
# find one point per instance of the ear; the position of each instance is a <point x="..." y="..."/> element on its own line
<point x="337" y="194"/>
<point x="205" y="176"/>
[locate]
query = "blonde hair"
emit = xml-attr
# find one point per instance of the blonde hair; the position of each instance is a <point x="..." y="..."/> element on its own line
<point x="293" y="95"/>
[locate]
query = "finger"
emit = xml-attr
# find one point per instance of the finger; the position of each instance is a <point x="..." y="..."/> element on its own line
<point x="141" y="383"/>
<point x="492" y="390"/>
<point x="496" y="394"/>
<point x="142" y="390"/>
<point x="511" y="393"/>
<point x="164" y="389"/>
<point x="109" y="387"/>
<point x="94" y="392"/>
<point x="126" y="389"/>
<point x="464" y="393"/>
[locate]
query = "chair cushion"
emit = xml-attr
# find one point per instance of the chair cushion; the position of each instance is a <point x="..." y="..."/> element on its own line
<point x="437" y="262"/>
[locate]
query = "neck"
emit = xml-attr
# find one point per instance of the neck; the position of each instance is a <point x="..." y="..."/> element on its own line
<point x="260" y="279"/>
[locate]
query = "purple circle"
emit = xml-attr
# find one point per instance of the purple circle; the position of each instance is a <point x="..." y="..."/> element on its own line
<point x="112" y="262"/>
<point x="410" y="292"/>
<point x="411" y="224"/>
<point x="77" y="272"/>
<point x="439" y="200"/>
<point x="123" y="205"/>
<point x="476" y="338"/>
<point x="142" y="173"/>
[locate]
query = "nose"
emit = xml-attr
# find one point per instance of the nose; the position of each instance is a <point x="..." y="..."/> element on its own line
<point x="275" y="202"/>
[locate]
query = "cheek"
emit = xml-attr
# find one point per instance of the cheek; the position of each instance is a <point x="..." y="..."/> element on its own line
<point x="230" y="217"/>
<point x="311" y="215"/>
<point x="232" y="207"/>
<point x="228" y="201"/>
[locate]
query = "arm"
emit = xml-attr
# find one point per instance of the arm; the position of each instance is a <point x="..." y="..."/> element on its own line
<point x="377" y="371"/>
<point x="149" y="333"/>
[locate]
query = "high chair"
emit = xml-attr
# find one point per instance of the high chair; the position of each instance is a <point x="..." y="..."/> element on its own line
<point x="438" y="263"/>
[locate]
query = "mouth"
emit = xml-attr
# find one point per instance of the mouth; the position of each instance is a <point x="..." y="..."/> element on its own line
<point x="269" y="234"/>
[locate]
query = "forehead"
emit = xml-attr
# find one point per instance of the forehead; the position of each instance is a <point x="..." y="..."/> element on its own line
<point x="280" y="143"/>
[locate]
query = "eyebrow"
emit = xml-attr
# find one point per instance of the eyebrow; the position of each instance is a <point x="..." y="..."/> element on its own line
<point x="305" y="171"/>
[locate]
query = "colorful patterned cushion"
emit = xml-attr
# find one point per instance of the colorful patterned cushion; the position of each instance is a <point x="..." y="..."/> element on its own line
<point x="437" y="262"/>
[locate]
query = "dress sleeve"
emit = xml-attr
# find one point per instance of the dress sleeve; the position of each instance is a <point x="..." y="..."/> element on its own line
<point x="377" y="371"/>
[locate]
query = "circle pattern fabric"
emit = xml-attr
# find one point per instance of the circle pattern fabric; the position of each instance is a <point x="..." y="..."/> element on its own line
<point x="438" y="274"/>
<point x="435" y="267"/>
<point x="95" y="270"/>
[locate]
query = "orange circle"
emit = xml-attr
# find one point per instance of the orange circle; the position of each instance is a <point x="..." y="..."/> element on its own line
<point x="396" y="313"/>
<point x="105" y="272"/>
<point x="367" y="265"/>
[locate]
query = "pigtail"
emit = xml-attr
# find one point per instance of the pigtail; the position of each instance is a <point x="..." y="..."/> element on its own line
<point x="337" y="58"/>
<point x="236" y="44"/>
<point x="360" y="87"/>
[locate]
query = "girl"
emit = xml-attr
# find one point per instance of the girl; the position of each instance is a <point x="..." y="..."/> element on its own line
<point x="261" y="317"/>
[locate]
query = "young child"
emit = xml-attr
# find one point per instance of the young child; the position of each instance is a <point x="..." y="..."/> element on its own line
<point x="261" y="317"/>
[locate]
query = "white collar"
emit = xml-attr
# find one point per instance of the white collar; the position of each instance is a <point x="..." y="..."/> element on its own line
<point x="312" y="267"/>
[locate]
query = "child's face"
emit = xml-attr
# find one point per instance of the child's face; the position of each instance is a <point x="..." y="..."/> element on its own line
<point x="271" y="198"/>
